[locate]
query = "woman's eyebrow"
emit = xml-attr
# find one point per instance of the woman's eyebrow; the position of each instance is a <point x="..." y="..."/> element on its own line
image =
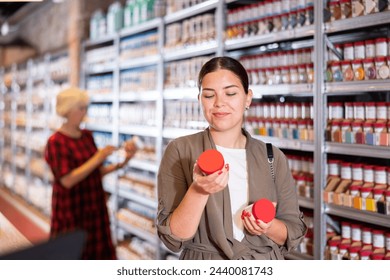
<point x="227" y="87"/>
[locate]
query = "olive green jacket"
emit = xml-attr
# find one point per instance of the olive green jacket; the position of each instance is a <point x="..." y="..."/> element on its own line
<point x="214" y="237"/>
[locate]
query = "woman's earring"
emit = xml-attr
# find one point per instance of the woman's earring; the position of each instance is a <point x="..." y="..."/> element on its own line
<point x="246" y="108"/>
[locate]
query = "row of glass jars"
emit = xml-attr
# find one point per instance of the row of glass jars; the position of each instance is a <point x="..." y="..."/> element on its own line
<point x="342" y="9"/>
<point x="358" y="70"/>
<point x="280" y="111"/>
<point x="359" y="110"/>
<point x="265" y="9"/>
<point x="359" y="132"/>
<point x="356" y="171"/>
<point x="275" y="23"/>
<point x="359" y="241"/>
<point x="290" y="129"/>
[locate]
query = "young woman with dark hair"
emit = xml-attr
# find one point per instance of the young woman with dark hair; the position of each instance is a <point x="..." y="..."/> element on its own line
<point x="203" y="215"/>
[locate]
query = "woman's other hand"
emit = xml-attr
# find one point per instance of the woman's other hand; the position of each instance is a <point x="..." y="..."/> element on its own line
<point x="212" y="183"/>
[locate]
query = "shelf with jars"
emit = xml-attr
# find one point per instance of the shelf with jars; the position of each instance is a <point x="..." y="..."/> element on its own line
<point x="356" y="134"/>
<point x="28" y="91"/>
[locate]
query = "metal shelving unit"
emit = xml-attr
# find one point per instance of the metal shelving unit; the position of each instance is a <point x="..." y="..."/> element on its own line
<point x="28" y="119"/>
<point x="349" y="30"/>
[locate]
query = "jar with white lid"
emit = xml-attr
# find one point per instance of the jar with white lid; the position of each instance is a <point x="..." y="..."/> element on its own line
<point x="380" y="175"/>
<point x="381" y="111"/>
<point x="370" y="110"/>
<point x="336" y="110"/>
<point x="356" y="232"/>
<point x="348" y="51"/>
<point x="368" y="173"/>
<point x="378" y="239"/>
<point x="366" y="236"/>
<point x="381" y="47"/>
<point x="369" y="48"/>
<point x="346" y="230"/>
<point x="334" y="168"/>
<point x="357" y="172"/>
<point x="358" y="109"/>
<point x="346" y="171"/>
<point x="359" y="50"/>
<point x="348" y="110"/>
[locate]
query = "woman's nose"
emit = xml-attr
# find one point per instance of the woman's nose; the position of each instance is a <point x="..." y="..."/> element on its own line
<point x="218" y="101"/>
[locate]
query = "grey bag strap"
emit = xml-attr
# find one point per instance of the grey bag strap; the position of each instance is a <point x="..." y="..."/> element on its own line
<point x="270" y="155"/>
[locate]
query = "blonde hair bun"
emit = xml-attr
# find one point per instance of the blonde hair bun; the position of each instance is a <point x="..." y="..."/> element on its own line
<point x="69" y="98"/>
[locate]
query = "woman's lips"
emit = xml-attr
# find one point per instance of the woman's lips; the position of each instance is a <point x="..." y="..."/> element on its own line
<point x="220" y="114"/>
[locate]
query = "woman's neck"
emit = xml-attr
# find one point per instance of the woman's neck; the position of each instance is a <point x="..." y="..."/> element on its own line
<point x="70" y="130"/>
<point x="233" y="140"/>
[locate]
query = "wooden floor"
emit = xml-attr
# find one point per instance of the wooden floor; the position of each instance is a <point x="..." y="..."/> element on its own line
<point x="32" y="224"/>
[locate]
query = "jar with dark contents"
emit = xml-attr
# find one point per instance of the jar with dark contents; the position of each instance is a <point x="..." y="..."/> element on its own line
<point x="310" y="15"/>
<point x="335" y="10"/>
<point x="369" y="68"/>
<point x="285" y="21"/>
<point x="293" y="19"/>
<point x="302" y="17"/>
<point x="346" y="9"/>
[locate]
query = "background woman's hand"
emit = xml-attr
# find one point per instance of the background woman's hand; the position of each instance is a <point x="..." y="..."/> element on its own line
<point x="105" y="152"/>
<point x="212" y="183"/>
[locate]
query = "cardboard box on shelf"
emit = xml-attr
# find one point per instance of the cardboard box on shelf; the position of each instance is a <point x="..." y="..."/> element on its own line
<point x="331" y="186"/>
<point x="340" y="191"/>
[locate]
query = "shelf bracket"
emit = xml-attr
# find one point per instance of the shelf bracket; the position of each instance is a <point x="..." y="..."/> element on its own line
<point x="330" y="45"/>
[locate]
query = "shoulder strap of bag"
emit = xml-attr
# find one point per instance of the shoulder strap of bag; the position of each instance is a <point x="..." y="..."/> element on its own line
<point x="270" y="155"/>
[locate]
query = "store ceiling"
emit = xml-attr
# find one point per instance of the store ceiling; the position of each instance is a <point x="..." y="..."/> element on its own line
<point x="7" y="9"/>
<point x="11" y="15"/>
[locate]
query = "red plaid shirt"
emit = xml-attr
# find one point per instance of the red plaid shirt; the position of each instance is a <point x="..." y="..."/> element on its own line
<point x="83" y="206"/>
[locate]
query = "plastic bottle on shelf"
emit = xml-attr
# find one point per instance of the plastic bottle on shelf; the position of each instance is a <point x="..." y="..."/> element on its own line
<point x="128" y="13"/>
<point x="114" y="17"/>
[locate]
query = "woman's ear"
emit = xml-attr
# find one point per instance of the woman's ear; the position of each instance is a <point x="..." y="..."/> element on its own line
<point x="249" y="97"/>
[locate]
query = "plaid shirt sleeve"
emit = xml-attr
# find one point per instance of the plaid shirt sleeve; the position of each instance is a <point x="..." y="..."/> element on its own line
<point x="58" y="156"/>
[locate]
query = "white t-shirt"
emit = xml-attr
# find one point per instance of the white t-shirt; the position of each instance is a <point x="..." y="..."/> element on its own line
<point x="238" y="186"/>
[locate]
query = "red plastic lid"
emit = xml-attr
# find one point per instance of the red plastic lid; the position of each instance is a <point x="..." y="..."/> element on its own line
<point x="211" y="161"/>
<point x="264" y="210"/>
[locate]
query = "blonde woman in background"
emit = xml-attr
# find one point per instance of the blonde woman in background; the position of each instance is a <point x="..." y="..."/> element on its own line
<point x="78" y="199"/>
